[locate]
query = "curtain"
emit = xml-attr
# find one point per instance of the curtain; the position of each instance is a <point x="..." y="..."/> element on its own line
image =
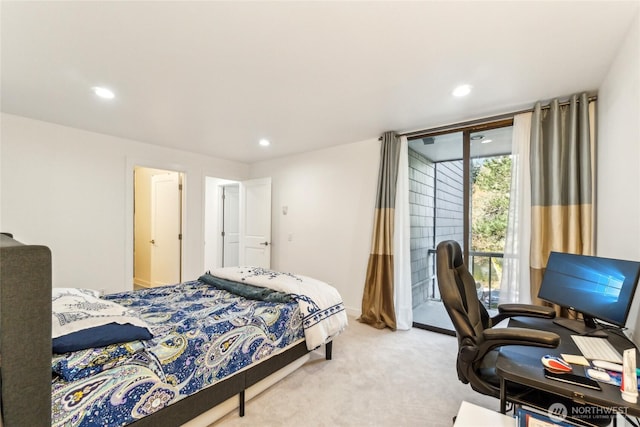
<point x="514" y="286"/>
<point x="378" y="299"/>
<point x="562" y="183"/>
<point x="401" y="243"/>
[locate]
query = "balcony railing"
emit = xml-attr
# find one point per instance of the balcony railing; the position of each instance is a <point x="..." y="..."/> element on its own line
<point x="482" y="268"/>
<point x="490" y="296"/>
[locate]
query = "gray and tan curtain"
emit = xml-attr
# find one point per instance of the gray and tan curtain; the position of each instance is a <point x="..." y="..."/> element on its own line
<point x="378" y="298"/>
<point x="562" y="182"/>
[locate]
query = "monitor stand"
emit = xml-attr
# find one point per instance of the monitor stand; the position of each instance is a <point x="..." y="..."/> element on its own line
<point x="581" y="327"/>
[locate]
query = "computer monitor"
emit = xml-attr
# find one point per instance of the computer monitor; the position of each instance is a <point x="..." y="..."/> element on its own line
<point x="599" y="288"/>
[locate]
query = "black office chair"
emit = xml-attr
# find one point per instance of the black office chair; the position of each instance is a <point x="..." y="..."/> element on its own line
<point x="478" y="343"/>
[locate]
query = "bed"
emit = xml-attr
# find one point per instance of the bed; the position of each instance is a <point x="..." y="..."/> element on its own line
<point x="210" y="340"/>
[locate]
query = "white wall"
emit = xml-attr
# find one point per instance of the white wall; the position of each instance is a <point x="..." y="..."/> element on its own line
<point x="618" y="175"/>
<point x="326" y="233"/>
<point x="72" y="190"/>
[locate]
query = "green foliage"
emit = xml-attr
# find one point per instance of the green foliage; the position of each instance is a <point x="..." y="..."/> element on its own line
<point x="490" y="204"/>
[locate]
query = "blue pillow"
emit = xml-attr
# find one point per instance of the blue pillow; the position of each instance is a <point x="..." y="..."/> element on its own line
<point x="100" y="336"/>
<point x="80" y="321"/>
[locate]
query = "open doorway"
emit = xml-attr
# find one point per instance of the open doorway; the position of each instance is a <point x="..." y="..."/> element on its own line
<point x="221" y="223"/>
<point x="230" y="218"/>
<point x="157" y="242"/>
<point x="237" y="223"/>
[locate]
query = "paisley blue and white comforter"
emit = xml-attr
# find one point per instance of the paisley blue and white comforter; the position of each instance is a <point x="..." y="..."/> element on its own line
<point x="323" y="313"/>
<point x="201" y="335"/>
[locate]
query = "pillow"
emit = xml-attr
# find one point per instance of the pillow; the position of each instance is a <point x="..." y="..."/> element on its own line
<point x="81" y="321"/>
<point x="81" y="364"/>
<point x="57" y="292"/>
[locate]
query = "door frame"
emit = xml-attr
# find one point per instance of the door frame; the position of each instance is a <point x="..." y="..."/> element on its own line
<point x="223" y="220"/>
<point x="466" y="131"/>
<point x="212" y="215"/>
<point x="212" y="256"/>
<point x="131" y="164"/>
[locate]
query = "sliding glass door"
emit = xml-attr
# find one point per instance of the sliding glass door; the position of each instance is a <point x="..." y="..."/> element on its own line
<point x="453" y="180"/>
<point x="436" y="201"/>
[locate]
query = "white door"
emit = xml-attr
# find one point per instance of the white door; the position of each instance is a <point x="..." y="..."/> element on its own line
<point x="165" y="229"/>
<point x="255" y="223"/>
<point x="230" y="226"/>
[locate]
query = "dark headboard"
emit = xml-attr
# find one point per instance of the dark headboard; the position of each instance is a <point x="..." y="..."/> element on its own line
<point x="25" y="333"/>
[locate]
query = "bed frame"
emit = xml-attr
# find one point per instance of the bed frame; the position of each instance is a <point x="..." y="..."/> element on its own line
<point x="25" y="335"/>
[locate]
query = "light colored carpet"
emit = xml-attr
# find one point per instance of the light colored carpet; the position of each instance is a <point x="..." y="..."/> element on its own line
<point x="376" y="378"/>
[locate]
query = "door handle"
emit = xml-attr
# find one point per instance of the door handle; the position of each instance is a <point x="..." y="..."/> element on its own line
<point x="265" y="244"/>
<point x="153" y="242"/>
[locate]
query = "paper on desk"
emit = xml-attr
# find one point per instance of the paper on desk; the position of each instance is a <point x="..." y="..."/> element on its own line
<point x="575" y="359"/>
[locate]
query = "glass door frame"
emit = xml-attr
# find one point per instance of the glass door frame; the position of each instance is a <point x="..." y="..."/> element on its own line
<point x="467" y="131"/>
<point x="466" y="171"/>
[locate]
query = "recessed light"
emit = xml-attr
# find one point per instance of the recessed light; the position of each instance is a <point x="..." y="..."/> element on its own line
<point x="103" y="92"/>
<point x="264" y="142"/>
<point x="476" y="137"/>
<point x="462" y="90"/>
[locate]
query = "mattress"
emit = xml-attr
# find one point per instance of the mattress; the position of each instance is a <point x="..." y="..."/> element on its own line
<point x="202" y="335"/>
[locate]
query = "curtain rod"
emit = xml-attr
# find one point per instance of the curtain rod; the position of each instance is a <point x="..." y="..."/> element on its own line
<point x="470" y="123"/>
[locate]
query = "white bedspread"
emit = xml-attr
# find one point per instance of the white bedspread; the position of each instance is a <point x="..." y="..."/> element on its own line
<point x="321" y="305"/>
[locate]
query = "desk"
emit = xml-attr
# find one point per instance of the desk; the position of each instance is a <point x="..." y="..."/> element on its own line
<point x="521" y="365"/>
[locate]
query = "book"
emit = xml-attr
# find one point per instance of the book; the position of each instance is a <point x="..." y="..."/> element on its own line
<point x="531" y="418"/>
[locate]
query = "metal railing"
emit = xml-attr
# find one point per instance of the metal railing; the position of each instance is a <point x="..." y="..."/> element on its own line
<point x="488" y="300"/>
<point x="489" y="295"/>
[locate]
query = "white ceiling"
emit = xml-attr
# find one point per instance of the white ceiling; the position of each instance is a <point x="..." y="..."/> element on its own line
<point x="215" y="77"/>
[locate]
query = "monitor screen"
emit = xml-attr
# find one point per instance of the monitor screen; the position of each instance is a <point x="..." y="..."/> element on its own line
<point x="601" y="288"/>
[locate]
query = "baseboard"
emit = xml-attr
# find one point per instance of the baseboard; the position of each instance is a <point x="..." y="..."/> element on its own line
<point x="142" y="283"/>
<point x="353" y="312"/>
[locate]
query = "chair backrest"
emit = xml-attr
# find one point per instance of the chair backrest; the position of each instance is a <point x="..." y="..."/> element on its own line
<point x="458" y="292"/>
<point x="469" y="317"/>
